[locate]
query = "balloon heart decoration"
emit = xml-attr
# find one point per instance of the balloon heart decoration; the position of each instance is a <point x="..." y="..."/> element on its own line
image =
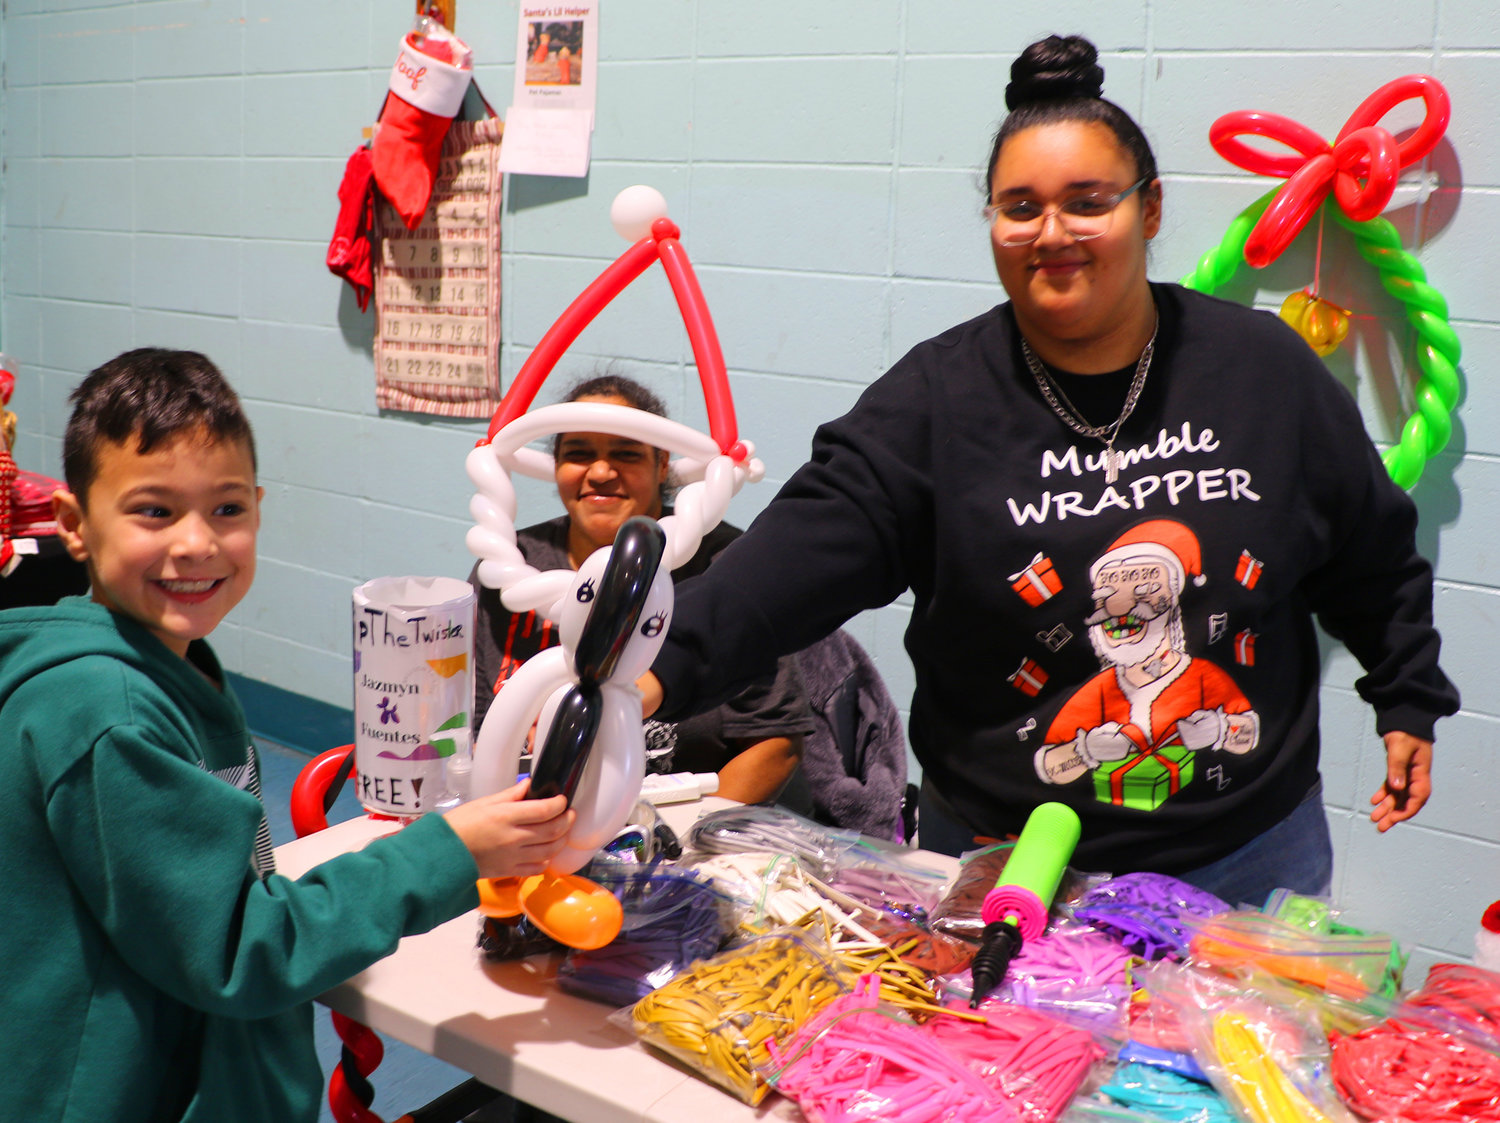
<point x="1359" y="169"/>
<point x="610" y="633"/>
<point x="583" y="692"/>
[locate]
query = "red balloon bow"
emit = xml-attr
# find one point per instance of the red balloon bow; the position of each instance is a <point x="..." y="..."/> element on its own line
<point x="1360" y="166"/>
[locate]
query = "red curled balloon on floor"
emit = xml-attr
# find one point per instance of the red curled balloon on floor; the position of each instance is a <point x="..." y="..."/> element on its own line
<point x="1360" y="167"/>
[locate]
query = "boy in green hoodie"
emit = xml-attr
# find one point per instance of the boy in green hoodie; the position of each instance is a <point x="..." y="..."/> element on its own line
<point x="157" y="967"/>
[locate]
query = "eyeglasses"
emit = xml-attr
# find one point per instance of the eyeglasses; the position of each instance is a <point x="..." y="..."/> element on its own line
<point x="1019" y="222"/>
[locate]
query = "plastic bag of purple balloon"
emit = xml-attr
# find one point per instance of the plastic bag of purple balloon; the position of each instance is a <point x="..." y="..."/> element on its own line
<point x="672" y="917"/>
<point x="1071" y="972"/>
<point x="1145" y="912"/>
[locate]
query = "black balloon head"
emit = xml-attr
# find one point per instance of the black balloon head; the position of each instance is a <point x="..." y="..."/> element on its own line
<point x="620" y="598"/>
<point x="617" y="606"/>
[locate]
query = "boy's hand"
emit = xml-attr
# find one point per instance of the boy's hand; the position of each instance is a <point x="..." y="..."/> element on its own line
<point x="1408" y="780"/>
<point x="509" y="835"/>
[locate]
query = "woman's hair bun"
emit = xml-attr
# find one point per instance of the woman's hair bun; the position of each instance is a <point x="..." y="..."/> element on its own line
<point x="1057" y="68"/>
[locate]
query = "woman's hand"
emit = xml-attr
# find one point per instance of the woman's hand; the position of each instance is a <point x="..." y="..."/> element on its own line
<point x="1408" y="780"/>
<point x="510" y="835"/>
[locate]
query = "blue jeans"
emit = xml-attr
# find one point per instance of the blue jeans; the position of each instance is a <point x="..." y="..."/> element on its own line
<point x="938" y="828"/>
<point x="1295" y="854"/>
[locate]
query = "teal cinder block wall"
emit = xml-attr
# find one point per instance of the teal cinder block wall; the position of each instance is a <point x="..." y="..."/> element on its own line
<point x="169" y="177"/>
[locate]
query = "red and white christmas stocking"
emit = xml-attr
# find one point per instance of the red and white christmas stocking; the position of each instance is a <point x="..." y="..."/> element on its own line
<point x="427" y="87"/>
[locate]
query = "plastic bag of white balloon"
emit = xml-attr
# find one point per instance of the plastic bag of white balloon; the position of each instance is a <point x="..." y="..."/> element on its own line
<point x="413" y="688"/>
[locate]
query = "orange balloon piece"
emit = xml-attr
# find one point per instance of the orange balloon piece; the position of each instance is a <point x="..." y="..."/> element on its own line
<point x="500" y="897"/>
<point x="449" y="665"/>
<point x="572" y="910"/>
<point x="1322" y="324"/>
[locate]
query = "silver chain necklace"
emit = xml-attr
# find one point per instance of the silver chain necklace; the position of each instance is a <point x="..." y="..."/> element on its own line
<point x="1074" y="419"/>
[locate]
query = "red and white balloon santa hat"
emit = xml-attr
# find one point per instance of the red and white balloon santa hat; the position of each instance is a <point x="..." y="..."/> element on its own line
<point x="710" y="468"/>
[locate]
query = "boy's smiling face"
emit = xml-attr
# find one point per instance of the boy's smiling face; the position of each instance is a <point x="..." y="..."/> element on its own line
<point x="168" y="535"/>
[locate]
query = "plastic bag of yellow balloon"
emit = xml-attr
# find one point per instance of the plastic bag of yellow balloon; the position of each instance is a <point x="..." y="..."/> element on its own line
<point x="719" y="1016"/>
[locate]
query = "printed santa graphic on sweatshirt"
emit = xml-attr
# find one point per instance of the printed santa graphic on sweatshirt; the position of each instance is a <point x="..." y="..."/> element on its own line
<point x="1139" y="724"/>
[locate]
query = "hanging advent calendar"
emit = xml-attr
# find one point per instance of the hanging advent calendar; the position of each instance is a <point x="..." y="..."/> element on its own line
<point x="437" y="288"/>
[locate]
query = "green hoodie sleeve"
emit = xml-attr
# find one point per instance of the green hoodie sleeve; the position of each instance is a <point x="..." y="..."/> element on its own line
<point x="159" y="850"/>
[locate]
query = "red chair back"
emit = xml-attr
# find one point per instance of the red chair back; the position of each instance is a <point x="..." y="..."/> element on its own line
<point x="309" y="801"/>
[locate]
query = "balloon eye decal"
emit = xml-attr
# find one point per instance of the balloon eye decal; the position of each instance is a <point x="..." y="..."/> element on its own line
<point x="585" y="592"/>
<point x="653" y="625"/>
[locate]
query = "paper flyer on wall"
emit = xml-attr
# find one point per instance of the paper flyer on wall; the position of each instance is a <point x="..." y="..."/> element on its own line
<point x="546" y="142"/>
<point x="557" y="56"/>
<point x="551" y="120"/>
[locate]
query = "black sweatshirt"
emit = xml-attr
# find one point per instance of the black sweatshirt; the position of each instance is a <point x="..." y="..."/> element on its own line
<point x="1251" y="499"/>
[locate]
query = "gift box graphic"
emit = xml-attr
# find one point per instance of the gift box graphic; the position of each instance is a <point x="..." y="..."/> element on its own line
<point x="1038" y="582"/>
<point x="1028" y="678"/>
<point x="1143" y="781"/>
<point x="1244" y="648"/>
<point x="1247" y="569"/>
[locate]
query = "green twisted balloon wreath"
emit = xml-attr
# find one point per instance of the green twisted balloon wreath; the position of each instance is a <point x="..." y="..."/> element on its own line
<point x="1427" y="430"/>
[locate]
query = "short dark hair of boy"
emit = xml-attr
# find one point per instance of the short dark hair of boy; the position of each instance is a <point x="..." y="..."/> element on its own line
<point x="151" y="394"/>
